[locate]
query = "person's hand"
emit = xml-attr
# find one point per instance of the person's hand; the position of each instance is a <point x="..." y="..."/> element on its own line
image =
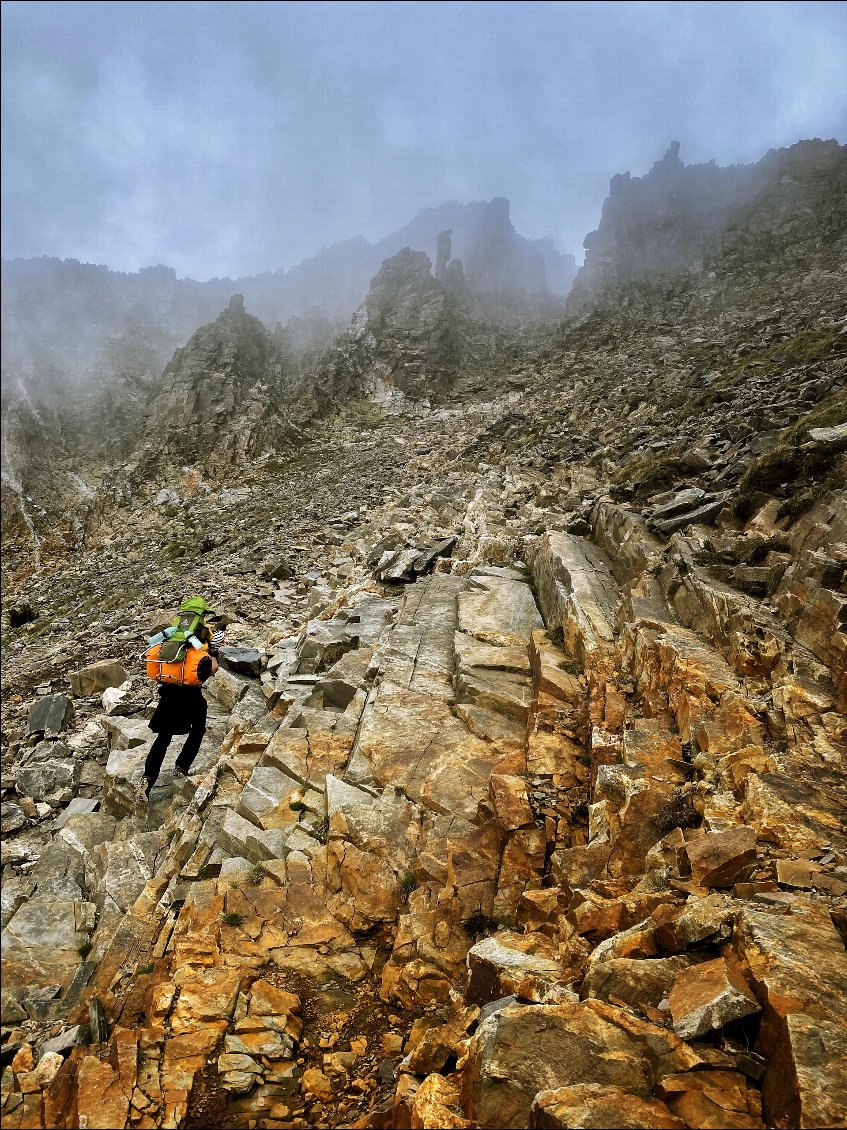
<point x="214" y="664"/>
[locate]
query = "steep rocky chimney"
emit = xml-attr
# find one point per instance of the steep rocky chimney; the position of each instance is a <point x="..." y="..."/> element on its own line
<point x="443" y="250"/>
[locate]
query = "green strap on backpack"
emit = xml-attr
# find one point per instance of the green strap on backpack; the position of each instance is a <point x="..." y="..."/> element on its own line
<point x="186" y="624"/>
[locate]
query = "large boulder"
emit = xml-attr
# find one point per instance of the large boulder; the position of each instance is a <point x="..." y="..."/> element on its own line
<point x="51" y="714"/>
<point x="798" y="973"/>
<point x="707" y="996"/>
<point x="523" y="1049"/>
<point x="591" y="1106"/>
<point x="98" y="677"/>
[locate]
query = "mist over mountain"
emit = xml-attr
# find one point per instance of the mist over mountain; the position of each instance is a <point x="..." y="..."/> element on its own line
<point x="68" y="325"/>
<point x="447" y="300"/>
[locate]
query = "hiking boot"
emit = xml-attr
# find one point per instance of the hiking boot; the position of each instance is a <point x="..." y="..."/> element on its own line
<point x="180" y="780"/>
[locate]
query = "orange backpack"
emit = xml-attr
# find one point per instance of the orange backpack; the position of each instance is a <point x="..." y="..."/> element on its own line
<point x="181" y="673"/>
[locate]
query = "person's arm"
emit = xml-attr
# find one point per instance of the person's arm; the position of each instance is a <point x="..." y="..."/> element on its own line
<point x="207" y="666"/>
<point x="216" y="641"/>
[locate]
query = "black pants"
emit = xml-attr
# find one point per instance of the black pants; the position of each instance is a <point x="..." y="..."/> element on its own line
<point x="159" y="748"/>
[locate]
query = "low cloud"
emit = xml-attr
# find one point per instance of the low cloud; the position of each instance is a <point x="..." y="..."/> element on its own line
<point x="231" y="138"/>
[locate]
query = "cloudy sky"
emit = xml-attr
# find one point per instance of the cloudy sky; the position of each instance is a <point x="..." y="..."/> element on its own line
<point x="230" y="138"/>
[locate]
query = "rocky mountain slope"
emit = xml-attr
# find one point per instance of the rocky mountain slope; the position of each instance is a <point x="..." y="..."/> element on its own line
<point x="522" y="799"/>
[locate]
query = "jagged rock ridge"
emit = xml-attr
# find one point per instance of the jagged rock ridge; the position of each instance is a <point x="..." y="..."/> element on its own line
<point x="223" y="397"/>
<point x="678" y="218"/>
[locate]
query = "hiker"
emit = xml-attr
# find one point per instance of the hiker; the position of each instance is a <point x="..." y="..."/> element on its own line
<point x="181" y="659"/>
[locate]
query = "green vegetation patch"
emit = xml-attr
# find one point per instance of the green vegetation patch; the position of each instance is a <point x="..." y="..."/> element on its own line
<point x="803" y="348"/>
<point x="798" y="467"/>
<point x="652" y="472"/>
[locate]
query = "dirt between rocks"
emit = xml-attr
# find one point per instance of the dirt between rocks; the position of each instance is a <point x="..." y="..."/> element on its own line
<point x="338" y="1018"/>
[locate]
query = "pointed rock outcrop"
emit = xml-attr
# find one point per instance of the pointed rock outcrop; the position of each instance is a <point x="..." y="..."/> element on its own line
<point x="222" y="397"/>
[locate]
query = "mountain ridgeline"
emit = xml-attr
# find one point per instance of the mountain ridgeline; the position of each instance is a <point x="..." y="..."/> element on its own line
<point x="90" y="383"/>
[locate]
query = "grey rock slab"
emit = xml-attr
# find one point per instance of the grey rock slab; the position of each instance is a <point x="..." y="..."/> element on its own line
<point x="577" y="593"/>
<point x="11" y="1011"/>
<point x="228" y="689"/>
<point x="282" y="662"/>
<point x="300" y="840"/>
<point x="50" y="715"/>
<point x="12" y="817"/>
<point x="836" y="436"/>
<point x="369" y="619"/>
<point x="39" y="781"/>
<point x="703" y="513"/>
<point x="242" y="660"/>
<point x="115" y="699"/>
<point x="120" y="870"/>
<point x="14" y="892"/>
<point x="497" y="691"/>
<point x="623" y="535"/>
<point x="125" y="733"/>
<point x="472" y="653"/>
<point x="97" y="677"/>
<point x="504" y="614"/>
<point x="66" y="1040"/>
<point x="396" y="566"/>
<point x="234" y="865"/>
<point x="41" y="941"/>
<point x="85" y="830"/>
<point x="418" y="652"/>
<point x="341" y="795"/>
<point x="491" y="724"/>
<point x="324" y="642"/>
<point x="344" y="678"/>
<point x="268" y="791"/>
<point x="252" y="709"/>
<point x="77" y="806"/>
<point x="64" y="887"/>
<point x="244" y="839"/>
<point x="501" y="571"/>
<point x="48" y="751"/>
<point x="124" y="771"/>
<point x="428" y="556"/>
<point x="685" y="500"/>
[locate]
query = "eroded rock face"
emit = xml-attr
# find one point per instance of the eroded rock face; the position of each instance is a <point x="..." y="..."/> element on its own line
<point x="595" y="1105"/>
<point x="405" y="339"/>
<point x="522" y="1050"/>
<point x="708" y="996"/>
<point x="223" y="396"/>
<point x="674" y="218"/>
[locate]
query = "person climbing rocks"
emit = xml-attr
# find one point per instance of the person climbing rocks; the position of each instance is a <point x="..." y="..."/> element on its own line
<point x="181" y="658"/>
